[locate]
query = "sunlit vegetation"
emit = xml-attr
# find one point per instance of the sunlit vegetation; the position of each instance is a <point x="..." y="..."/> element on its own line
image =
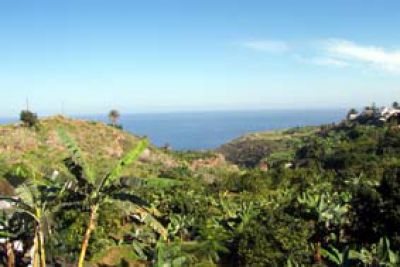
<point x="316" y="196"/>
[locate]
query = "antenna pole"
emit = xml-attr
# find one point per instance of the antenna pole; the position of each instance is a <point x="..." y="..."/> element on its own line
<point x="62" y="108"/>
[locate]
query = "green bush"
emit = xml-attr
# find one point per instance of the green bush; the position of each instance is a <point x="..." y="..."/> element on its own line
<point x="273" y="237"/>
<point x="390" y="193"/>
<point x="29" y="118"/>
<point x="254" y="181"/>
<point x="181" y="172"/>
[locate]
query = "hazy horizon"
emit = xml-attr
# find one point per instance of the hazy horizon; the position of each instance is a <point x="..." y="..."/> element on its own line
<point x="174" y="112"/>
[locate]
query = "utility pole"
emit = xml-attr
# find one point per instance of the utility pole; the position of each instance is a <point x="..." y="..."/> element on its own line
<point x="62" y="108"/>
<point x="27" y="104"/>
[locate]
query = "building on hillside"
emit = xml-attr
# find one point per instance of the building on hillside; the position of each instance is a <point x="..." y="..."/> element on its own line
<point x="353" y="117"/>
<point x="390" y="115"/>
<point x="384" y="114"/>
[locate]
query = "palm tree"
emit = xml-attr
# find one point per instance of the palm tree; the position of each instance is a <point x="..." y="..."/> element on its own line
<point x="93" y="191"/>
<point x="114" y="116"/>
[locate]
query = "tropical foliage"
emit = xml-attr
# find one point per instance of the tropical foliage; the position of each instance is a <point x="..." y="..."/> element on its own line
<point x="330" y="197"/>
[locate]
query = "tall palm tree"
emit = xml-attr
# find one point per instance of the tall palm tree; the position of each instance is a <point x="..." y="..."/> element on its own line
<point x="114" y="116"/>
<point x="94" y="191"/>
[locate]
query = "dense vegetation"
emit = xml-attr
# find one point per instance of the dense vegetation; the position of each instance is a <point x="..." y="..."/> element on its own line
<point x="330" y="196"/>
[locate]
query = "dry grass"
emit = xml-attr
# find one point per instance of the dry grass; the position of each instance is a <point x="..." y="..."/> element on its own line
<point x="101" y="145"/>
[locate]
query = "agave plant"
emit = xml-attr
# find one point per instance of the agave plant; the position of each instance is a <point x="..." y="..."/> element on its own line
<point x="94" y="191"/>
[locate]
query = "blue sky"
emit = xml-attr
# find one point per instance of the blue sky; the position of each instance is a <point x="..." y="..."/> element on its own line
<point x="170" y="55"/>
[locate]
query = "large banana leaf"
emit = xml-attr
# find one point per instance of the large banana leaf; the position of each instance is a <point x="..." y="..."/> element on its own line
<point x="77" y="159"/>
<point x="116" y="172"/>
<point x="142" y="214"/>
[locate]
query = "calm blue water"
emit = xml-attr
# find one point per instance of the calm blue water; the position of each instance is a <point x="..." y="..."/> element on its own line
<point x="206" y="130"/>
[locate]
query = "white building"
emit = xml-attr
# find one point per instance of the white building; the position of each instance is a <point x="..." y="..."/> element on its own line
<point x="387" y="113"/>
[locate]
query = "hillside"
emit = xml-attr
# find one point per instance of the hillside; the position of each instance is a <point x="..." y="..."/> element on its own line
<point x="272" y="146"/>
<point x="101" y="146"/>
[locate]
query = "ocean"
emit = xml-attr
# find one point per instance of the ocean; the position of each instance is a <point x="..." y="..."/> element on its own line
<point x="208" y="130"/>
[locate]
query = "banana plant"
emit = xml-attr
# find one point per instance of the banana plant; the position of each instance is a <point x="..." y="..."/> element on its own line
<point x="379" y="255"/>
<point x="236" y="215"/>
<point x="361" y="180"/>
<point x="214" y="239"/>
<point x="95" y="191"/>
<point x="169" y="254"/>
<point x="12" y="227"/>
<point x="247" y="212"/>
<point x="343" y="258"/>
<point x="328" y="211"/>
<point x="292" y="263"/>
<point x="179" y="225"/>
<point x="38" y="198"/>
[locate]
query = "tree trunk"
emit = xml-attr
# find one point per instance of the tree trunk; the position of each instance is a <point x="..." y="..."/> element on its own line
<point x="317" y="255"/>
<point x="42" y="247"/>
<point x="40" y="240"/>
<point x="10" y="254"/>
<point x="35" y="256"/>
<point x="85" y="243"/>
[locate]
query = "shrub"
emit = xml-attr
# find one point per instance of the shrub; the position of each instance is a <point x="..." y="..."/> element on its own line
<point x="181" y="172"/>
<point x="254" y="181"/>
<point x="272" y="238"/>
<point x="29" y="118"/>
<point x="247" y="153"/>
<point x="390" y="193"/>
